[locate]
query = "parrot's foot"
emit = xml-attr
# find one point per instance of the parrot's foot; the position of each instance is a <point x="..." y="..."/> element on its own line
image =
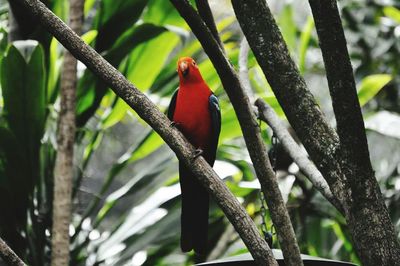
<point x="174" y="124"/>
<point x="197" y="153"/>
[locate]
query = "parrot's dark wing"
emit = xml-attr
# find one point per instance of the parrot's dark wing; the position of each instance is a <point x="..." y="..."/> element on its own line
<point x="215" y="112"/>
<point x="172" y="104"/>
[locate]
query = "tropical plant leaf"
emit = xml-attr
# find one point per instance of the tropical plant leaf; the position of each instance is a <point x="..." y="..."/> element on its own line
<point x="305" y="38"/>
<point x="371" y="85"/>
<point x="392" y="12"/>
<point x="288" y="26"/>
<point x="114" y="17"/>
<point x="24" y="88"/>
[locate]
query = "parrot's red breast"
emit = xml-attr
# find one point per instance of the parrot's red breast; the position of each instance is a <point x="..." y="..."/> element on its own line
<point x="192" y="104"/>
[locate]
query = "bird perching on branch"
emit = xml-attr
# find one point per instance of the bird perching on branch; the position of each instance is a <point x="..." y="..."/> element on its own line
<point x="195" y="111"/>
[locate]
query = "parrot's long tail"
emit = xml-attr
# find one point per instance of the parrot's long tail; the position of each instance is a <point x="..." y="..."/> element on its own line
<point x="194" y="217"/>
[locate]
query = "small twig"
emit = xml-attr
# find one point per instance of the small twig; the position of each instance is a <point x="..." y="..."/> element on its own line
<point x="244" y="70"/>
<point x="299" y="155"/>
<point x="8" y="255"/>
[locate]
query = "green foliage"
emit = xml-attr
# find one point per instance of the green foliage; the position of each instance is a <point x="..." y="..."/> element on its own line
<point x="23" y="86"/>
<point x="126" y="190"/>
<point x="371" y="85"/>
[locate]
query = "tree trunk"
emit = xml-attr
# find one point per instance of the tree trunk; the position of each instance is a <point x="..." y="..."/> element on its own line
<point x="63" y="172"/>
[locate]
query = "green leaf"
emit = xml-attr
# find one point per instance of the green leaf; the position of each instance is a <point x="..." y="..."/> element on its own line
<point x="114" y="17"/>
<point x="148" y="59"/>
<point x="60" y="8"/>
<point x="23" y="87"/>
<point x="130" y="39"/>
<point x="88" y="6"/>
<point x="89" y="36"/>
<point x="371" y="85"/>
<point x="288" y="26"/>
<point x="305" y="38"/>
<point x="152" y="143"/>
<point x="55" y="61"/>
<point x="118" y="112"/>
<point x="90" y="90"/>
<point x="163" y="13"/>
<point x="392" y="13"/>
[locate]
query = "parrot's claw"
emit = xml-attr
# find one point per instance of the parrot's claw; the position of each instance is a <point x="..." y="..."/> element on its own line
<point x="197" y="153"/>
<point x="174" y="124"/>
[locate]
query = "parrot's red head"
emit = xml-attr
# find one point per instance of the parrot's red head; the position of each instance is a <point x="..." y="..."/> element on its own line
<point x="188" y="70"/>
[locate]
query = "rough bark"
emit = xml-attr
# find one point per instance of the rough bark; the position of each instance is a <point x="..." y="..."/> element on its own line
<point x="251" y="132"/>
<point x="63" y="170"/>
<point x="8" y="255"/>
<point x="372" y="231"/>
<point x="299" y="156"/>
<point x="149" y="112"/>
<point x="290" y="89"/>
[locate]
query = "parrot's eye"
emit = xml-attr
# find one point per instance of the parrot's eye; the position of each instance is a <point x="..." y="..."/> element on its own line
<point x="193" y="63"/>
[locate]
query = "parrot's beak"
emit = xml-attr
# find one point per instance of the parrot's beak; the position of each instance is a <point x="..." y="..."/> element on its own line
<point x="184" y="68"/>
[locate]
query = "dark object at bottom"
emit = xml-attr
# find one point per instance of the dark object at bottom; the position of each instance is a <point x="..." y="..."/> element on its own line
<point x="247" y="260"/>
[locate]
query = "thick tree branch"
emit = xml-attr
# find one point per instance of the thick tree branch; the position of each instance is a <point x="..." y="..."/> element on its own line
<point x="206" y="14"/>
<point x="160" y="123"/>
<point x="350" y="124"/>
<point x="8" y="255"/>
<point x="250" y="129"/>
<point x="373" y="233"/>
<point x="63" y="169"/>
<point x="300" y="107"/>
<point x="299" y="156"/>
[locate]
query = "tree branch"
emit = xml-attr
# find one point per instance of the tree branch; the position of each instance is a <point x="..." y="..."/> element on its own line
<point x="250" y="129"/>
<point x="8" y="255"/>
<point x="299" y="156"/>
<point x="160" y="123"/>
<point x="206" y="14"/>
<point x="350" y="124"/>
<point x="63" y="169"/>
<point x="290" y="89"/>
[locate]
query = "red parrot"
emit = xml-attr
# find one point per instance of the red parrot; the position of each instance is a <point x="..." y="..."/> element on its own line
<point x="195" y="111"/>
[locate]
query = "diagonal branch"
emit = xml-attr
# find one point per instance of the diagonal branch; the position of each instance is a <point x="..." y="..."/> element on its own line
<point x="206" y="14"/>
<point x="251" y="132"/>
<point x="299" y="105"/>
<point x="8" y="255"/>
<point x="159" y="122"/>
<point x="268" y="115"/>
